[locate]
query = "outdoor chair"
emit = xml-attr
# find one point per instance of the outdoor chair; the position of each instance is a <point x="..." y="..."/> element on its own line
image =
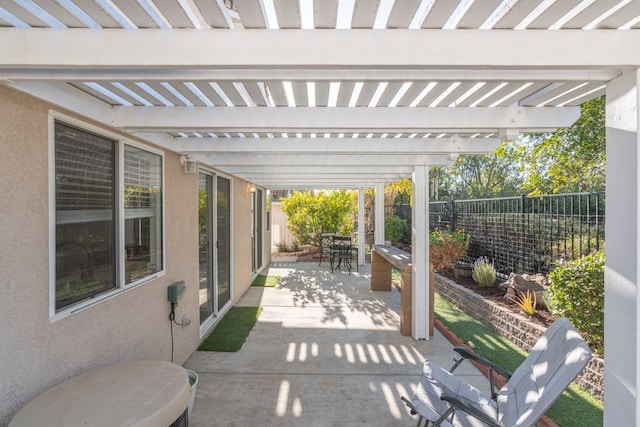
<point x="325" y="245"/>
<point x="443" y="399"/>
<point x="341" y="253"/>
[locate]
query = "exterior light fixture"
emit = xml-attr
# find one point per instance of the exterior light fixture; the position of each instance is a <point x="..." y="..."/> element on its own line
<point x="190" y="165"/>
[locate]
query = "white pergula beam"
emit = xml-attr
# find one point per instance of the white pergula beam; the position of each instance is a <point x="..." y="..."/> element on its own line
<point x="312" y="175"/>
<point x="318" y="169"/>
<point x="321" y="182"/>
<point x="65" y="96"/>
<point x="328" y="146"/>
<point x="313" y="186"/>
<point x="285" y="160"/>
<point x="334" y="119"/>
<point x="17" y="75"/>
<point x="187" y="48"/>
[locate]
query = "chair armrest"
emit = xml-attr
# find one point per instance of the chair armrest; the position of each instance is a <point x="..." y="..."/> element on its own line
<point x="469" y="354"/>
<point x="470" y="407"/>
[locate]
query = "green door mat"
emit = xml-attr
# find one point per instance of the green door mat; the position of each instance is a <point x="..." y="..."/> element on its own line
<point x="232" y="331"/>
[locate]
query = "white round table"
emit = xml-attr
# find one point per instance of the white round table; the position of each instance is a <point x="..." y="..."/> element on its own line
<point x="145" y="393"/>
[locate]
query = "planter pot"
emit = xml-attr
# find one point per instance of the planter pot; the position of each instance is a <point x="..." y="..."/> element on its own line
<point x="193" y="380"/>
<point x="462" y="269"/>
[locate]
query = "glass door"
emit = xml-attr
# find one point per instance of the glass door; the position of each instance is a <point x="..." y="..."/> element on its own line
<point x="223" y="242"/>
<point x="206" y="239"/>
<point x="259" y="232"/>
<point x="214" y="220"/>
<point x="256" y="229"/>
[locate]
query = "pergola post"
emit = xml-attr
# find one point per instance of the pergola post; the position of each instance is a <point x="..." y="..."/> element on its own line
<point x="361" y="236"/>
<point x="622" y="305"/>
<point x="420" y="254"/>
<point x="378" y="235"/>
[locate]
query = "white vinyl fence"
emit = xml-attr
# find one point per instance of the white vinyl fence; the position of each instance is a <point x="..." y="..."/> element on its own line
<point x="279" y="231"/>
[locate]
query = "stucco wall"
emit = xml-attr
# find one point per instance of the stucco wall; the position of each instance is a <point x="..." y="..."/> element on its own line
<point x="36" y="353"/>
<point x="241" y="238"/>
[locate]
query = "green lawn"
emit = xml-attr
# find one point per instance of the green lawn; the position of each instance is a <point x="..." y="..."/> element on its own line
<point x="574" y="408"/>
<point x="232" y="331"/>
<point x="266" y="281"/>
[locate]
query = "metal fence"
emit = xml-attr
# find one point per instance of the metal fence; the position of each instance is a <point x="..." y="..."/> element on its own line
<point x="526" y="234"/>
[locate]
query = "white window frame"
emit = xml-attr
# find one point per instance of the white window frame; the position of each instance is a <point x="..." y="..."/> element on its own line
<point x="121" y="286"/>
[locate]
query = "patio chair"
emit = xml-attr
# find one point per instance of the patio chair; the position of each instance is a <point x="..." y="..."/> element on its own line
<point x="443" y="399"/>
<point x="341" y="253"/>
<point x="325" y="245"/>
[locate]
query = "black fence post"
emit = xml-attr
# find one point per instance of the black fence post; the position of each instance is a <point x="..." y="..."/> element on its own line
<point x="454" y="214"/>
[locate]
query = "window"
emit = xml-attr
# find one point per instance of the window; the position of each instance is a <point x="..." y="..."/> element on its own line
<point x="92" y="213"/>
<point x="142" y="212"/>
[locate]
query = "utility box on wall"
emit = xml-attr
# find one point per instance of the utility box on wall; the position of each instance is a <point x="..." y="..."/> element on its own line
<point x="176" y="291"/>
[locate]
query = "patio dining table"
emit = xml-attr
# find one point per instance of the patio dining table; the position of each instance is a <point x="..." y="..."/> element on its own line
<point x="328" y="245"/>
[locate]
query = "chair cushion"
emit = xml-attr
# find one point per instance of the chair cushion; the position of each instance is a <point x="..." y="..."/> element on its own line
<point x="433" y="382"/>
<point x="553" y="363"/>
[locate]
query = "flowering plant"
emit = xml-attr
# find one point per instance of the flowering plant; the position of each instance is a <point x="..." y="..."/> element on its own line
<point x="484" y="273"/>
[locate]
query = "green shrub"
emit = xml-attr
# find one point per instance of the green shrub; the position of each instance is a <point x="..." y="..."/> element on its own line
<point x="446" y="247"/>
<point x="282" y="247"/>
<point x="395" y="229"/>
<point x="577" y="292"/>
<point x="310" y="214"/>
<point x="484" y="273"/>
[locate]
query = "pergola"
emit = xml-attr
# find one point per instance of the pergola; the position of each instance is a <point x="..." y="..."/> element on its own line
<point x="354" y="94"/>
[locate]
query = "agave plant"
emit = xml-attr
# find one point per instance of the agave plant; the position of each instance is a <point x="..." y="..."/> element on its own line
<point x="527" y="302"/>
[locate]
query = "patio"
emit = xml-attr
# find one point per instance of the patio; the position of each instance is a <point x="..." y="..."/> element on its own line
<point x="286" y="94"/>
<point x="325" y="351"/>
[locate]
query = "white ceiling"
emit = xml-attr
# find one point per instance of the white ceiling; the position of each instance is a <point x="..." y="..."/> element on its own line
<point x="324" y="93"/>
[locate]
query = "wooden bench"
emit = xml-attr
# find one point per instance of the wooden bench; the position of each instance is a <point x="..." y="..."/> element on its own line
<point x="382" y="258"/>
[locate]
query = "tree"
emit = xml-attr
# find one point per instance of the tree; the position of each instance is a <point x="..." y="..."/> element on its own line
<point x="480" y="176"/>
<point x="569" y="160"/>
<point x="310" y="214"/>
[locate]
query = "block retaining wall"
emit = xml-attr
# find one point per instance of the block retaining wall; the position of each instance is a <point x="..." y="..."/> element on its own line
<point x="514" y="327"/>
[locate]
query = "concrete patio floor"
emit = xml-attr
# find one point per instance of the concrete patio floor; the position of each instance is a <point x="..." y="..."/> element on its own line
<point x="326" y="351"/>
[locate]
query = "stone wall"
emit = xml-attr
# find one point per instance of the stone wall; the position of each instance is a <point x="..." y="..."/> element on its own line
<point x="514" y="327"/>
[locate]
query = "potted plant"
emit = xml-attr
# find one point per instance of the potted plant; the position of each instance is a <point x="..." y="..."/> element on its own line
<point x="193" y="380"/>
<point x="446" y="246"/>
<point x="462" y="269"/>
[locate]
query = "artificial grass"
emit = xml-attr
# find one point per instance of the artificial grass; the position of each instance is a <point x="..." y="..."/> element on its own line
<point x="232" y="331"/>
<point x="575" y="407"/>
<point x="266" y="281"/>
<point x="395" y="274"/>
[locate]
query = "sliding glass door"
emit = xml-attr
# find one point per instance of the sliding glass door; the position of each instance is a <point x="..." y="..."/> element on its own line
<point x="257" y="203"/>
<point x="223" y="242"/>
<point x="214" y="217"/>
